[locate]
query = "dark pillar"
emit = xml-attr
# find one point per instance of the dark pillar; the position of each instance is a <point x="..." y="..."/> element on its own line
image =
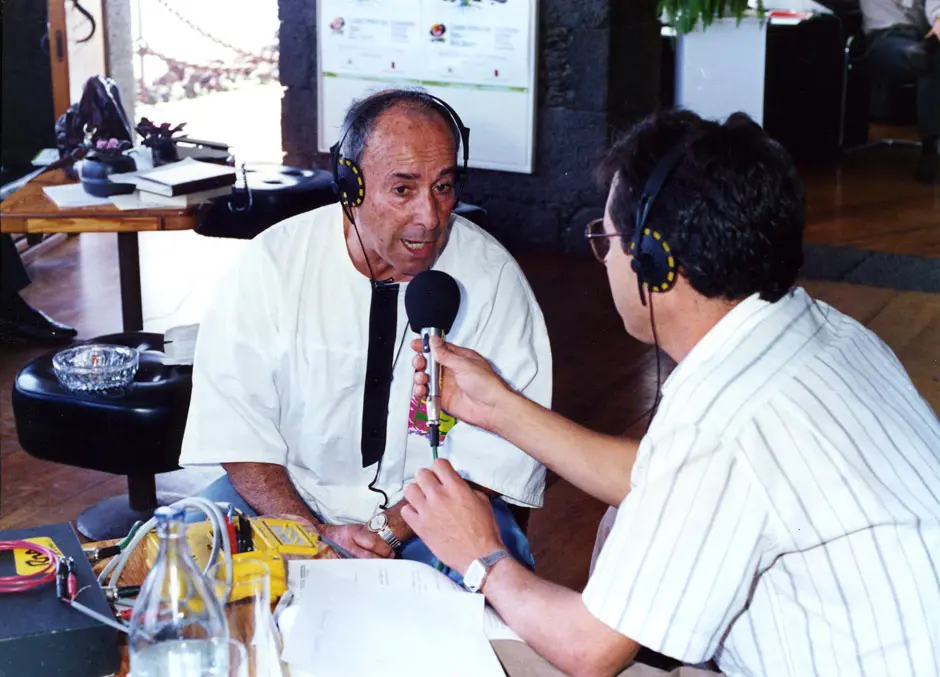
<point x="598" y="72"/>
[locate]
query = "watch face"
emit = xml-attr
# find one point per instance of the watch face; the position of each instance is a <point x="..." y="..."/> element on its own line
<point x="378" y="522"/>
<point x="474" y="576"/>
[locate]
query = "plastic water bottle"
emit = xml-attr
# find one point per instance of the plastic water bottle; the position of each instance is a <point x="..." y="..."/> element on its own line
<point x="177" y="628"/>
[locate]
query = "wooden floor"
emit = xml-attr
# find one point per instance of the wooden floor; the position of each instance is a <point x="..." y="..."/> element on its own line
<point x="603" y="378"/>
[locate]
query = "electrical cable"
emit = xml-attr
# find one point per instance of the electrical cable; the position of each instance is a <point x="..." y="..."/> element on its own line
<point x="659" y="382"/>
<point x="127" y="539"/>
<point x="60" y="569"/>
<point x="26" y="582"/>
<point x="78" y="606"/>
<point x="220" y="541"/>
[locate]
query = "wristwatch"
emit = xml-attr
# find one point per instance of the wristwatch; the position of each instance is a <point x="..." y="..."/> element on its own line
<point x="379" y="525"/>
<point x="479" y="569"/>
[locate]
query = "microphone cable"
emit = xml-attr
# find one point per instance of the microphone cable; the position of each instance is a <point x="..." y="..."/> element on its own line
<point x="651" y="412"/>
<point x="659" y="382"/>
<point x="375" y="285"/>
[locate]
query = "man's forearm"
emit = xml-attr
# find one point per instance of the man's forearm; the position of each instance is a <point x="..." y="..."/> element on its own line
<point x="554" y="621"/>
<point x="268" y="489"/>
<point x="598" y="464"/>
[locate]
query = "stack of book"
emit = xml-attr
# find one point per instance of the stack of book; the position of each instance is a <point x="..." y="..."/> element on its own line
<point x="181" y="184"/>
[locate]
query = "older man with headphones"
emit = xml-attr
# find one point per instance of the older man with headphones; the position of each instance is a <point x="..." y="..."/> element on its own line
<point x="781" y="514"/>
<point x="302" y="384"/>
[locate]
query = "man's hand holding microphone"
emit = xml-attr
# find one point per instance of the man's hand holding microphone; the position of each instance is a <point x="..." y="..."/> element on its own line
<point x="471" y="389"/>
<point x="455" y="521"/>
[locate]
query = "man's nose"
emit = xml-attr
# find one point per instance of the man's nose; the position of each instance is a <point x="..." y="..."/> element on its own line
<point x="429" y="211"/>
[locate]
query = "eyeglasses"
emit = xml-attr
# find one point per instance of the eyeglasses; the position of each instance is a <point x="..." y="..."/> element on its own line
<point x="599" y="239"/>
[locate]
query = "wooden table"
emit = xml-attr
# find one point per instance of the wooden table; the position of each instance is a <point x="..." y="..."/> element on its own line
<point x="29" y="211"/>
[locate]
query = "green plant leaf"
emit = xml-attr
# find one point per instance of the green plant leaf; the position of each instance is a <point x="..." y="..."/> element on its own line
<point x="685" y="15"/>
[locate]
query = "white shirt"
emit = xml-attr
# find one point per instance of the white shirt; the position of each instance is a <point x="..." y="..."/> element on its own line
<point x="784" y="514"/>
<point x="280" y="368"/>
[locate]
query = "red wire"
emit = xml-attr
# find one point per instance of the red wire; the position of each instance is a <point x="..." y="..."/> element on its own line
<point x="22" y="583"/>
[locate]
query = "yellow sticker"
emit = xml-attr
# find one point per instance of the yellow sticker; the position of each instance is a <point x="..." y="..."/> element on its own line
<point x="31" y="561"/>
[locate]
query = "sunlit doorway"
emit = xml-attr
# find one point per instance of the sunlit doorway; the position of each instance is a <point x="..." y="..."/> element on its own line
<point x="212" y="64"/>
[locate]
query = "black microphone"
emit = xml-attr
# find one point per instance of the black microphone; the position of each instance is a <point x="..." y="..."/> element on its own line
<point x="432" y="300"/>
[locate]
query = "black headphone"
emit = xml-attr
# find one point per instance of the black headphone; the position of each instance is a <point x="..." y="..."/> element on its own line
<point x="348" y="182"/>
<point x="653" y="261"/>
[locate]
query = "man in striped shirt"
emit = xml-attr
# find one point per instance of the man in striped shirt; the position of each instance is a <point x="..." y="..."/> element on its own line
<point x="781" y="515"/>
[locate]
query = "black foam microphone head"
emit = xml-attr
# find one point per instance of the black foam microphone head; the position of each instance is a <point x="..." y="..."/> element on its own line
<point x="432" y="299"/>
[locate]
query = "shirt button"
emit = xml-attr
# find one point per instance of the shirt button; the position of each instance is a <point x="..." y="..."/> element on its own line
<point x="381" y="339"/>
<point x="374" y="433"/>
<point x="376" y="380"/>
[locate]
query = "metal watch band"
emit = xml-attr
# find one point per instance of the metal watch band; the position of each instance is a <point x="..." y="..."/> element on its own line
<point x="486" y="563"/>
<point x="389" y="537"/>
<point x="489" y="560"/>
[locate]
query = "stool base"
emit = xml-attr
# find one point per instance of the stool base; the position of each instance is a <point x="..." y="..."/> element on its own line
<point x="113" y="517"/>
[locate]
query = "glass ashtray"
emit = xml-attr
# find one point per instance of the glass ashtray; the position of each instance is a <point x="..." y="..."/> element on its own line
<point x="96" y="366"/>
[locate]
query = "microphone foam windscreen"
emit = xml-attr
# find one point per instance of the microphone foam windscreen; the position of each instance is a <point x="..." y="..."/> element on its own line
<point x="432" y="299"/>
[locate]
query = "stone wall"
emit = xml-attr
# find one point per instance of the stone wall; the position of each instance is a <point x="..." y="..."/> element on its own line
<point x="587" y="89"/>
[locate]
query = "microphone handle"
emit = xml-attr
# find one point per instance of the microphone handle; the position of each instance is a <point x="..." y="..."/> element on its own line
<point x="434" y="375"/>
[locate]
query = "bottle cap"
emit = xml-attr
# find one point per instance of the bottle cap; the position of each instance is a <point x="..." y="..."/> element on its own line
<point x="167" y="513"/>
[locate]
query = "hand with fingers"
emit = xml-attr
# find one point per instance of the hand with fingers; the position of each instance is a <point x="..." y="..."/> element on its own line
<point x="355" y="538"/>
<point x="454" y="520"/>
<point x="934" y="33"/>
<point x="358" y="540"/>
<point x="470" y="388"/>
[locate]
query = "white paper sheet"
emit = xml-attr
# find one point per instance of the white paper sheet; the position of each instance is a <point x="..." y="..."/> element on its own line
<point x="72" y="195"/>
<point x="135" y="200"/>
<point x="363" y="625"/>
<point x="393" y="574"/>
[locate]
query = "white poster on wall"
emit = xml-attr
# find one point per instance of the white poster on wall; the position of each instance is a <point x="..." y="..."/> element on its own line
<point x="478" y="55"/>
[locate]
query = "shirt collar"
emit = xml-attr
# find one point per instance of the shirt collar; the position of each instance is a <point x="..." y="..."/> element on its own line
<point x="717" y="337"/>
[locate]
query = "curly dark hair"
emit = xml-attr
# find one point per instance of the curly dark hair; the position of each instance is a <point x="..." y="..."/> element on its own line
<point x="733" y="209"/>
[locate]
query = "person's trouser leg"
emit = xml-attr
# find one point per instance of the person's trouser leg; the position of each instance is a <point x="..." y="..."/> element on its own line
<point x="897" y="54"/>
<point x="517" y="544"/>
<point x="13" y="275"/>
<point x="928" y="98"/>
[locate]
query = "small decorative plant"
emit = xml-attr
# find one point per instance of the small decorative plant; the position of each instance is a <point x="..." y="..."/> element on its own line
<point x="110" y="148"/>
<point x="159" y="138"/>
<point x="154" y="134"/>
<point x="684" y="15"/>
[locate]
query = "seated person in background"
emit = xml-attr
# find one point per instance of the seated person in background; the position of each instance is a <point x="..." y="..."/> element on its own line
<point x="19" y="321"/>
<point x="903" y="45"/>
<point x="781" y="514"/>
<point x="302" y="381"/>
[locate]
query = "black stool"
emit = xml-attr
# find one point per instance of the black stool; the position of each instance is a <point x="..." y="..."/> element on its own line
<point x="135" y="431"/>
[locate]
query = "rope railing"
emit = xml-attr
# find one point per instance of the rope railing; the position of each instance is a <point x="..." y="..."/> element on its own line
<point x="187" y="79"/>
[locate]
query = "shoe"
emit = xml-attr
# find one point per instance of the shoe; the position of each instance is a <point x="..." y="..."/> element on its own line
<point x="928" y="166"/>
<point x="20" y="323"/>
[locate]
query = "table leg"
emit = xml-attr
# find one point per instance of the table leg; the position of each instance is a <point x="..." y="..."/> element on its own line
<point x="129" y="264"/>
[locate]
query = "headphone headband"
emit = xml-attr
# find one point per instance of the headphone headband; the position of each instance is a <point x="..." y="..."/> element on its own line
<point x="653" y="261"/>
<point x="381" y="99"/>
<point x="655" y="183"/>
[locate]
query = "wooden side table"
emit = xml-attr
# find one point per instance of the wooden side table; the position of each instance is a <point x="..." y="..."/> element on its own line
<point x="29" y="211"/>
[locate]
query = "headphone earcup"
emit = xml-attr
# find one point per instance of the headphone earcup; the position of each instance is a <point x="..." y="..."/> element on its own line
<point x="349" y="183"/>
<point x="654" y="262"/>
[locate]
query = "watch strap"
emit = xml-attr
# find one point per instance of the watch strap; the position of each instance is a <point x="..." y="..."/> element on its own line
<point x="487" y="562"/>
<point x="389" y="537"/>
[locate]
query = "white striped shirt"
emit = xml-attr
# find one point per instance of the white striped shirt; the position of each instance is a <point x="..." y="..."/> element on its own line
<point x="784" y="514"/>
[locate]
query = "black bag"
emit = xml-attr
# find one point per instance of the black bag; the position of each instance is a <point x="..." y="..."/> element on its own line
<point x="98" y="115"/>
